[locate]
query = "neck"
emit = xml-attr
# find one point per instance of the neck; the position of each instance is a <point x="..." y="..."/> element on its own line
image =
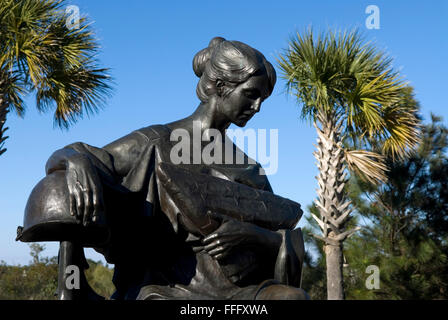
<point x="208" y="115"/>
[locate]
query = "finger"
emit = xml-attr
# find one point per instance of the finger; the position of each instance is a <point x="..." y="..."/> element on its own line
<point x="72" y="200"/>
<point x="71" y="193"/>
<point x="211" y="237"/>
<point x="217" y="250"/>
<point x="86" y="184"/>
<point x="213" y="245"/>
<point x="222" y="255"/>
<point x="218" y="255"/>
<point x="197" y="249"/>
<point x="98" y="205"/>
<point x="88" y="207"/>
<point x="79" y="201"/>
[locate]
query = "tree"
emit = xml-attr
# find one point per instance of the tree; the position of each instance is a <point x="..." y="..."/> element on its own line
<point x="355" y="100"/>
<point x="36" y="281"/>
<point x="39" y="279"/>
<point x="36" y="250"/>
<point x="406" y="230"/>
<point x="314" y="270"/>
<point x="39" y="53"/>
<point x="99" y="278"/>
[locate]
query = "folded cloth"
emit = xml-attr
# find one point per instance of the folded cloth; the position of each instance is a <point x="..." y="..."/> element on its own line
<point x="200" y="196"/>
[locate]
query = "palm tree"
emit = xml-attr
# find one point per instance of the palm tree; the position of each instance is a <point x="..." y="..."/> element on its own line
<point x="355" y="100"/>
<point x="39" y="53"/>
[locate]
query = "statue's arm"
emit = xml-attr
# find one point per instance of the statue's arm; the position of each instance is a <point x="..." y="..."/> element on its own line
<point x="126" y="152"/>
<point x="59" y="159"/>
<point x="233" y="234"/>
<point x="113" y="160"/>
<point x="87" y="168"/>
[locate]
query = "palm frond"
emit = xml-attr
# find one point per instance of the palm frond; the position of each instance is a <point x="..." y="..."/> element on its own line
<point x="57" y="63"/>
<point x="340" y="74"/>
<point x="75" y="92"/>
<point x="367" y="164"/>
<point x="403" y="124"/>
<point x="12" y="90"/>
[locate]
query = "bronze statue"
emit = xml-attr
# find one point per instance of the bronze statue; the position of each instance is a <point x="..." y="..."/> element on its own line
<point x="177" y="231"/>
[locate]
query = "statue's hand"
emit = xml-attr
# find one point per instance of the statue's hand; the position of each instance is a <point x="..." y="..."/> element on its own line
<point x="230" y="235"/>
<point x="85" y="189"/>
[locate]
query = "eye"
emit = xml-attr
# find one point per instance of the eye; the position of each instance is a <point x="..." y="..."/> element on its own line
<point x="252" y="94"/>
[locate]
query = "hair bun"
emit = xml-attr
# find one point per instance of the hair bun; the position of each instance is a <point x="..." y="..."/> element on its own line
<point x="201" y="58"/>
<point x="215" y="41"/>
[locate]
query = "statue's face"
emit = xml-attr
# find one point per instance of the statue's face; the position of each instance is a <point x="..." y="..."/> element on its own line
<point x="245" y="100"/>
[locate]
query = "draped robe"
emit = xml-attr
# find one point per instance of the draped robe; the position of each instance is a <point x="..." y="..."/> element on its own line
<point x="152" y="251"/>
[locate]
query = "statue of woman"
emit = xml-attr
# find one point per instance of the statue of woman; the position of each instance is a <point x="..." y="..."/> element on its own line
<point x="155" y="255"/>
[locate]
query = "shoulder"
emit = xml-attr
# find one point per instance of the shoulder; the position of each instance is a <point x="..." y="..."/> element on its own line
<point x="139" y="138"/>
<point x="154" y="132"/>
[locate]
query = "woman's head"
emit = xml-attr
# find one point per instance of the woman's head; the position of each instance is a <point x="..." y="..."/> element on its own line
<point x="225" y="66"/>
<point x="231" y="62"/>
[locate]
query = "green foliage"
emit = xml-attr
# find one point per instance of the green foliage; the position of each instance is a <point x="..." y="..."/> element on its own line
<point x="363" y="112"/>
<point x="40" y="54"/>
<point x="36" y="281"/>
<point x="99" y="278"/>
<point x="39" y="279"/>
<point x="340" y="76"/>
<point x="404" y="227"/>
<point x="314" y="269"/>
<point x="36" y="250"/>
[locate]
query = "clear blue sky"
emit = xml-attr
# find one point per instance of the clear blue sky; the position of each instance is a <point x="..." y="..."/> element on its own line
<point x="149" y="48"/>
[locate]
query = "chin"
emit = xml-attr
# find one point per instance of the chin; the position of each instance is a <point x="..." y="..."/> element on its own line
<point x="241" y="123"/>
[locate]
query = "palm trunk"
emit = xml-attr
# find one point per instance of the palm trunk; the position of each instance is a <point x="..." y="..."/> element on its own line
<point x="335" y="279"/>
<point x="333" y="207"/>
<point x="3" y="112"/>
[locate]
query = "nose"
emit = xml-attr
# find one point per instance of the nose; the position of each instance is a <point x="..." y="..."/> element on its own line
<point x="256" y="105"/>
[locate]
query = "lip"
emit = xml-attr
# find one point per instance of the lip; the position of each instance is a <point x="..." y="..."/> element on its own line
<point x="248" y="114"/>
